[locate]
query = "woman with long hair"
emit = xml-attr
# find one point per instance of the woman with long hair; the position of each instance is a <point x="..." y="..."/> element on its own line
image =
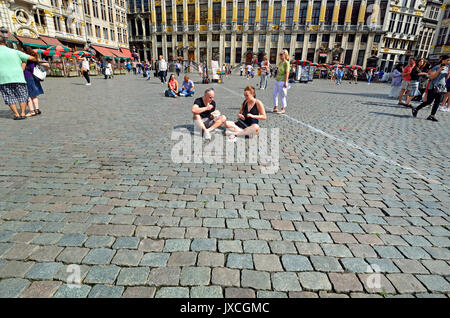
<point x="264" y="73"/>
<point x="173" y="86"/>
<point x="33" y="84"/>
<point x="251" y="112"/>
<point x="416" y="73"/>
<point x="281" y="83"/>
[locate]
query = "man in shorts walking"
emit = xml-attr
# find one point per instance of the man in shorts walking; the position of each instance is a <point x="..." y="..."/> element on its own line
<point x="12" y="80"/>
<point x="204" y="118"/>
<point x="406" y="83"/>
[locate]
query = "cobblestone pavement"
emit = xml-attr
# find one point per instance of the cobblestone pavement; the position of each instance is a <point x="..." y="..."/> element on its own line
<point x="91" y="182"/>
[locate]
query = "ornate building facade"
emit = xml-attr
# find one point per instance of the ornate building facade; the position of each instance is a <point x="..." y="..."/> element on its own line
<point x="72" y="22"/>
<point x="427" y="29"/>
<point x="234" y="31"/>
<point x="441" y="42"/>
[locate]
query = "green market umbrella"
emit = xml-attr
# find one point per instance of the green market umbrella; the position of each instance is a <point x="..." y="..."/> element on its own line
<point x="59" y="48"/>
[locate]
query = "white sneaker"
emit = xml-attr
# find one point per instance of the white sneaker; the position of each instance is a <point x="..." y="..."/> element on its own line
<point x="207" y="135"/>
<point x="88" y="84"/>
<point x="441" y="109"/>
<point x="447" y="110"/>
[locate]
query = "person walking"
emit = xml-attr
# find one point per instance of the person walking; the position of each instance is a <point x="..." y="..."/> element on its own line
<point x="108" y="69"/>
<point x="281" y="83"/>
<point x="12" y="79"/>
<point x="241" y="69"/>
<point x="369" y="75"/>
<point x="264" y="72"/>
<point x="406" y="81"/>
<point x="438" y="76"/>
<point x="416" y="73"/>
<point x="446" y="99"/>
<point x="84" y="70"/>
<point x="162" y="69"/>
<point x="33" y="84"/>
<point x="396" y="81"/>
<point x="178" y="68"/>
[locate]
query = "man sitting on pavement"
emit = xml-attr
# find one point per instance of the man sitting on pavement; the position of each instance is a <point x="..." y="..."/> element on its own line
<point x="203" y="118"/>
<point x="187" y="89"/>
<point x="12" y="80"/>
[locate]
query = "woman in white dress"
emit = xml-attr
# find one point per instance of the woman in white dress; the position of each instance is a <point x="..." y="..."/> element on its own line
<point x="108" y="70"/>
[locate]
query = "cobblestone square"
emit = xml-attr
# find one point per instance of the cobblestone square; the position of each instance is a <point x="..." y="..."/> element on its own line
<point x="359" y="205"/>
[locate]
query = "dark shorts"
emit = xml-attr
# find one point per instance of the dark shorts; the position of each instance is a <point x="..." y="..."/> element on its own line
<point x="14" y="93"/>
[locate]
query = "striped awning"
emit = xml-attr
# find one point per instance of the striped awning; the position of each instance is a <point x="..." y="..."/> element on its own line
<point x="32" y="42"/>
<point x="104" y="51"/>
<point x="50" y="41"/>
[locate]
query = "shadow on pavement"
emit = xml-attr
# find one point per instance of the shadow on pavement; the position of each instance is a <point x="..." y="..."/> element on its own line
<point x="392" y="115"/>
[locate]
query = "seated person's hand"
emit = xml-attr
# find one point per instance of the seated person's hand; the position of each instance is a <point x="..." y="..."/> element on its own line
<point x="241" y="116"/>
<point x="209" y="107"/>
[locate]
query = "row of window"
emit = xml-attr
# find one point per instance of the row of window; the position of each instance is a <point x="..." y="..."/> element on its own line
<point x="274" y="38"/>
<point x="67" y="25"/>
<point x="104" y="33"/>
<point x="106" y="11"/>
<point x="398" y="44"/>
<point x="442" y="36"/>
<point x="303" y="9"/>
<point x="446" y="13"/>
<point x="409" y="27"/>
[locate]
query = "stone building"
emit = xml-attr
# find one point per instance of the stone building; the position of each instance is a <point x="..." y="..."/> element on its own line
<point x="236" y="31"/>
<point x="74" y="23"/>
<point x="427" y="29"/>
<point x="441" y="42"/>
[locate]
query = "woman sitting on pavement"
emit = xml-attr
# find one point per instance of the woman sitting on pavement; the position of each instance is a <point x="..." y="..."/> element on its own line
<point x="252" y="110"/>
<point x="187" y="89"/>
<point x="173" y="87"/>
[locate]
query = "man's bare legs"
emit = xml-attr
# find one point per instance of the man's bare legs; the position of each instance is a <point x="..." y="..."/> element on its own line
<point x="23" y="106"/>
<point x="237" y="131"/>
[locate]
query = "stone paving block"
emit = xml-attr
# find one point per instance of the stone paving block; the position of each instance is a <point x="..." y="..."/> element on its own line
<point x="269" y="263"/>
<point x="303" y="295"/>
<point x="99" y="256"/>
<point x="355" y="265"/>
<point x="15" y="269"/>
<point x="72" y="255"/>
<point x="203" y="244"/>
<point x="239" y="293"/>
<point x="435" y="283"/>
<point x="177" y="245"/>
<point x="359" y="250"/>
<point x="47" y="238"/>
<point x="271" y="294"/>
<point x="46" y="253"/>
<point x="293" y="236"/>
<point x="102" y="291"/>
<point x="155" y="259"/>
<point x="438" y="252"/>
<point x="336" y="250"/>
<point x="282" y="247"/>
<point x="19" y="251"/>
<point x="324" y="294"/>
<point x="376" y="283"/>
<point x="326" y="264"/>
<point x="139" y="292"/>
<point x="150" y="245"/>
<point x="286" y="282"/>
<point x="181" y="259"/>
<point x="314" y="281"/>
<point x="406" y="283"/>
<point x="296" y="263"/>
<point x="212" y="259"/>
<point x="172" y="292"/>
<point x="13" y="287"/>
<point x="388" y="252"/>
<point x="383" y="265"/>
<point x="240" y="261"/>
<point x="437" y="267"/>
<point x="316" y="237"/>
<point x="102" y="274"/>
<point x="99" y="241"/>
<point x="206" y="292"/>
<point x="126" y="242"/>
<point x="345" y="282"/>
<point x="350" y="227"/>
<point x="194" y="276"/>
<point x="410" y="266"/>
<point x="256" y="246"/>
<point x="133" y="276"/>
<point x="225" y="277"/>
<point x="164" y="276"/>
<point x="225" y="234"/>
<point x="431" y="296"/>
<point x="74" y="240"/>
<point x="65" y="291"/>
<point x="229" y="246"/>
<point x="343" y="238"/>
<point x="127" y="257"/>
<point x="255" y="279"/>
<point x="43" y="271"/>
<point x="309" y="248"/>
<point x="413" y="252"/>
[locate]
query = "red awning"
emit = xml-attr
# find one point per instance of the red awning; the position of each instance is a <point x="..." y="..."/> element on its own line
<point x="50" y="41"/>
<point x="127" y="53"/>
<point x="12" y="38"/>
<point x="32" y="42"/>
<point x="105" y="51"/>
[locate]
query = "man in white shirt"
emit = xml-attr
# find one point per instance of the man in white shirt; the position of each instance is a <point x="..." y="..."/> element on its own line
<point x="162" y="69"/>
<point x="85" y="70"/>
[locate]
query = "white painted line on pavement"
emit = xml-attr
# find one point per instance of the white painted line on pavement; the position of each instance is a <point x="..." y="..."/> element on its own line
<point x="367" y="151"/>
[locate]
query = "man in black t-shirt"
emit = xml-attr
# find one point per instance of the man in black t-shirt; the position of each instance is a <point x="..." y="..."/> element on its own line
<point x="203" y="118"/>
